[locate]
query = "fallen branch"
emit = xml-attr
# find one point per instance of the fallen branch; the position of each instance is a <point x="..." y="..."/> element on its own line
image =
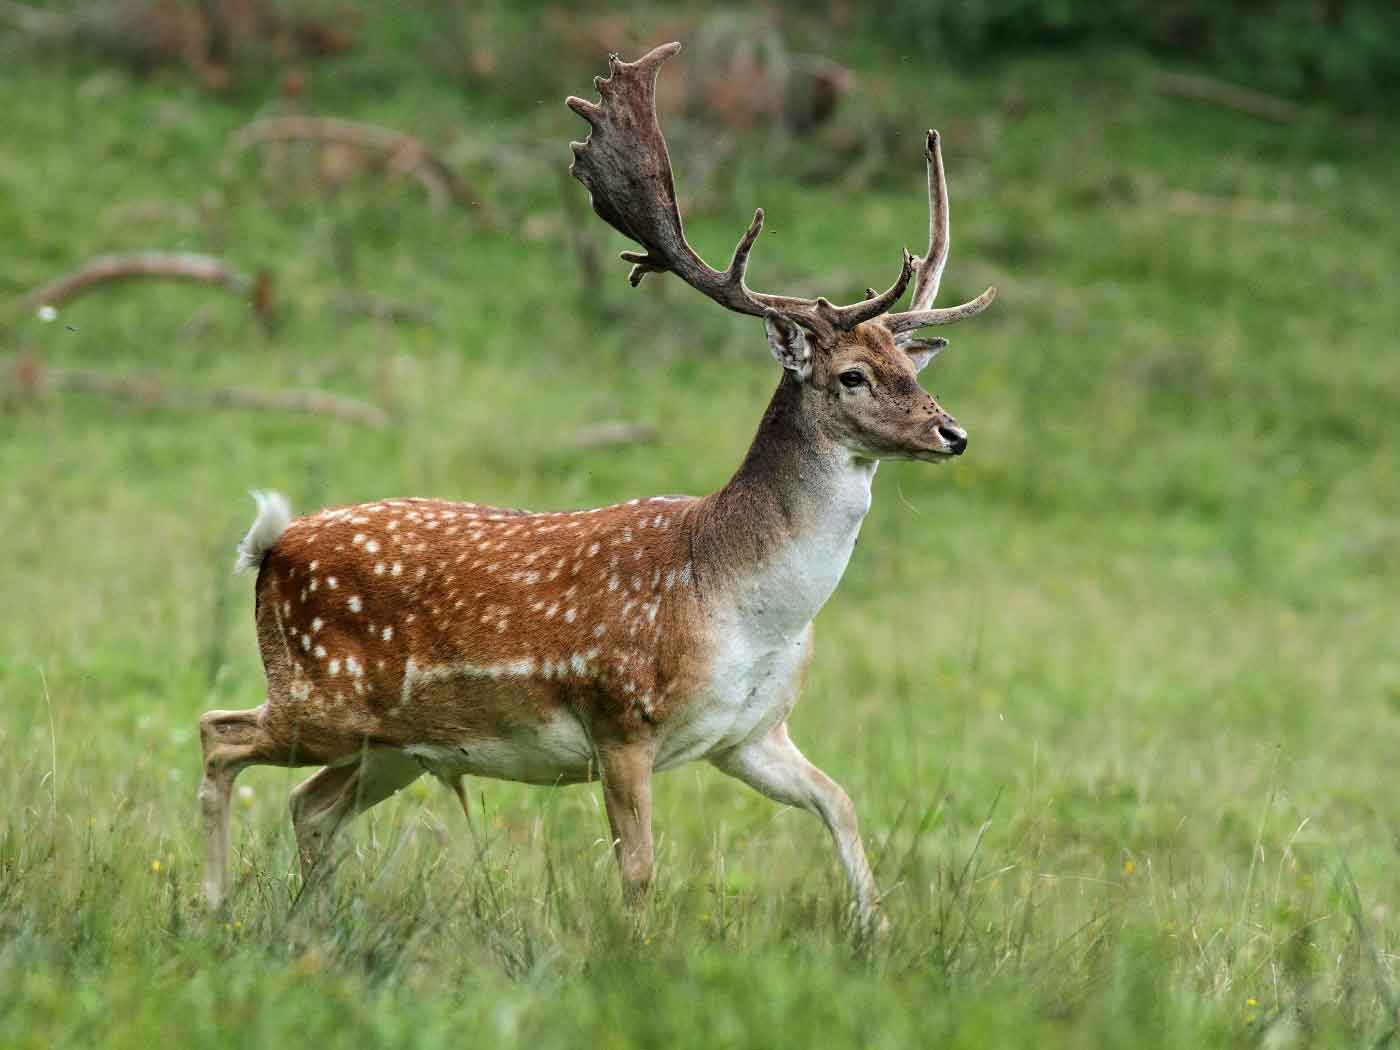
<point x="403" y="154"/>
<point x="183" y="266"/>
<point x="615" y="432"/>
<point x="1185" y="202"/>
<point x="31" y="377"/>
<point x="1230" y="96"/>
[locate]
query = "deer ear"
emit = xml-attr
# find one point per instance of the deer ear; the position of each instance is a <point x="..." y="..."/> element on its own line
<point x="920" y="351"/>
<point x="789" y="343"/>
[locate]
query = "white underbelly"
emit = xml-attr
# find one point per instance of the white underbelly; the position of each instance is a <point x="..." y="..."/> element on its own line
<point x="750" y="687"/>
<point x="555" y="752"/>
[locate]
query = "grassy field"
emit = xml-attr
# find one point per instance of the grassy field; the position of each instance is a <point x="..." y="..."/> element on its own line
<point x="1117" y="695"/>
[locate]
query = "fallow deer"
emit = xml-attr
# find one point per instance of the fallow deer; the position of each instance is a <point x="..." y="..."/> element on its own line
<point x="416" y="635"/>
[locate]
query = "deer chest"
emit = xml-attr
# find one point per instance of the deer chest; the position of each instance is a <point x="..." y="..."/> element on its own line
<point x="747" y="689"/>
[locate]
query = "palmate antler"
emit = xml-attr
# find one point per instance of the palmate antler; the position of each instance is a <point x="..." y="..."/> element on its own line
<point x="627" y="170"/>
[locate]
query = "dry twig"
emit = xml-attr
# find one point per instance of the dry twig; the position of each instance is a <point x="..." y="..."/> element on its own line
<point x="31" y="377"/>
<point x="184" y="266"/>
<point x="1231" y="96"/>
<point x="403" y="154"/>
<point x="1185" y="202"/>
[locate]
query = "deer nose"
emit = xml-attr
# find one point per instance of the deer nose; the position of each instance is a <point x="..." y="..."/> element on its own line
<point x="955" y="436"/>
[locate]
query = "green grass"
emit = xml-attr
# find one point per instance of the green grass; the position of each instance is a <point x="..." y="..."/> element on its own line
<point x="1116" y="695"/>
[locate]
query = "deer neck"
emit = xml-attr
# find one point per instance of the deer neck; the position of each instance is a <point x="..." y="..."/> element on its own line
<point x="775" y="541"/>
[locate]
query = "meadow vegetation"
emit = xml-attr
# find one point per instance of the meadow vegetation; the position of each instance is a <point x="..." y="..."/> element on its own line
<point x="1117" y="694"/>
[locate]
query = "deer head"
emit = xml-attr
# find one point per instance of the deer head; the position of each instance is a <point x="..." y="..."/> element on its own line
<point x="856" y="365"/>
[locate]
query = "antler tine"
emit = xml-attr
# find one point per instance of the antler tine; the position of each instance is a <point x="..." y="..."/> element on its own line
<point x="733" y="276"/>
<point x="912" y="319"/>
<point x="844" y="318"/>
<point x="930" y="266"/>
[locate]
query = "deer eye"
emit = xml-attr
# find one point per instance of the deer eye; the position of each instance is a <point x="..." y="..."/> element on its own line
<point x="852" y="379"/>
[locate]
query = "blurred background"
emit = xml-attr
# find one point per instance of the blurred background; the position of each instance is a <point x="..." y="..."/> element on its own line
<point x="1116" y="694"/>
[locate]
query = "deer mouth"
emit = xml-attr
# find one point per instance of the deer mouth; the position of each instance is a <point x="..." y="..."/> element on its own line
<point x="935" y="455"/>
<point x="916" y="455"/>
<point x="942" y="452"/>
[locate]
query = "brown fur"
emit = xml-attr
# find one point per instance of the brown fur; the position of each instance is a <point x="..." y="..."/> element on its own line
<point x="592" y="602"/>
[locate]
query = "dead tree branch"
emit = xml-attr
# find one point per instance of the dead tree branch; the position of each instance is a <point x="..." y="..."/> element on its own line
<point x="184" y="266"/>
<point x="1230" y="96"/>
<point x="402" y="154"/>
<point x="31" y="377"/>
<point x="1185" y="202"/>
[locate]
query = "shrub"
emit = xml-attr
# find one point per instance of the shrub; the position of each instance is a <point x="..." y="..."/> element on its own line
<point x="1346" y="51"/>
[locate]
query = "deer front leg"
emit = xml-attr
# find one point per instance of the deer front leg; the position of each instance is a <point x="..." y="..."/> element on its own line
<point x="626" y="775"/>
<point x="773" y="766"/>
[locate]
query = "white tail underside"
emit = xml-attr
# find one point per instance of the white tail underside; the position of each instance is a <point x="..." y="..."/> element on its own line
<point x="272" y="519"/>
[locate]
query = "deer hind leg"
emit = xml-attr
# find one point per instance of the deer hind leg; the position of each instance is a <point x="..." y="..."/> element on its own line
<point x="773" y="766"/>
<point x="321" y="805"/>
<point x="626" y="776"/>
<point x="232" y="740"/>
